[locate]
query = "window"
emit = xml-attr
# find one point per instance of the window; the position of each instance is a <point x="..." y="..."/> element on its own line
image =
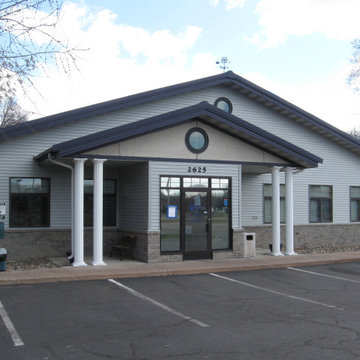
<point x="196" y="140"/>
<point x="224" y="104"/>
<point x="220" y="213"/>
<point x="268" y="204"/>
<point x="354" y="203"/>
<point x="170" y="213"/>
<point x="320" y="203"/>
<point x="29" y="202"/>
<point x="109" y="205"/>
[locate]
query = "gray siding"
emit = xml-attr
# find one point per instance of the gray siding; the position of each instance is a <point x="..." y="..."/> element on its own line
<point x="133" y="201"/>
<point x="17" y="159"/>
<point x="158" y="168"/>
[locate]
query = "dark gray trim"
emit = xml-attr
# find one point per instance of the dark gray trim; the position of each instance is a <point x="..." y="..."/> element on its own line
<point x="203" y="111"/>
<point x="142" y="159"/>
<point x="203" y="133"/>
<point x="227" y="79"/>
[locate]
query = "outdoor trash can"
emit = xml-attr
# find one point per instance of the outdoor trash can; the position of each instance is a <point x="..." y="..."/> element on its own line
<point x="3" y="255"/>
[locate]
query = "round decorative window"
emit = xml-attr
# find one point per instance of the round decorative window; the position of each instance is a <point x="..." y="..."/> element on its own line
<point x="224" y="104"/>
<point x="196" y="140"/>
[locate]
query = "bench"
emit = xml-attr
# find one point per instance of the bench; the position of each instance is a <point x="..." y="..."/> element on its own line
<point x="125" y="243"/>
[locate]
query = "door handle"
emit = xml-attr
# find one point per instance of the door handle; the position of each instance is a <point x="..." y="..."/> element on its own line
<point x="207" y="228"/>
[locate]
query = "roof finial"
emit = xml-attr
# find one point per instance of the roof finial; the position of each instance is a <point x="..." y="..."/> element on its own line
<point x="224" y="61"/>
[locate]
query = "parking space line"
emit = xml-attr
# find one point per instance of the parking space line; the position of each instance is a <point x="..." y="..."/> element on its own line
<point x="276" y="292"/>
<point x="320" y="274"/>
<point x="10" y="326"/>
<point x="156" y="303"/>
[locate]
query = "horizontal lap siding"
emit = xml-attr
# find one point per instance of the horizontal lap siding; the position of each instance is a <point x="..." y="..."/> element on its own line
<point x="159" y="168"/>
<point x="17" y="158"/>
<point x="17" y="154"/>
<point x="133" y="199"/>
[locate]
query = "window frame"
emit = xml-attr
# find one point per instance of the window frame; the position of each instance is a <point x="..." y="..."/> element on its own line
<point x="321" y="199"/>
<point x="227" y="101"/>
<point x="203" y="133"/>
<point x="357" y="199"/>
<point x="201" y="187"/>
<point x="29" y="196"/>
<point x="114" y="196"/>
<point x="282" y="199"/>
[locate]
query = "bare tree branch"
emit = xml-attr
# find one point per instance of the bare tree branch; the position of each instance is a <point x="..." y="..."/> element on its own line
<point x="11" y="113"/>
<point x="29" y="40"/>
<point x="354" y="76"/>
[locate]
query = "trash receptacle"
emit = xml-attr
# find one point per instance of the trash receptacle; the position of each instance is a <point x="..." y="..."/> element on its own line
<point x="249" y="244"/>
<point x="3" y="256"/>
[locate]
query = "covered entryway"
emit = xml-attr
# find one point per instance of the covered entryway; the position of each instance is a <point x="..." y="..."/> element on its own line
<point x="199" y="210"/>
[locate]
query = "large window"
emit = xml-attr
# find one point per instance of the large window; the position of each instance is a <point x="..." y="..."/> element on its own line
<point x="320" y="203"/>
<point x="109" y="205"/>
<point x="170" y="213"/>
<point x="355" y="203"/>
<point x="268" y="203"/>
<point x="29" y="202"/>
<point x="220" y="214"/>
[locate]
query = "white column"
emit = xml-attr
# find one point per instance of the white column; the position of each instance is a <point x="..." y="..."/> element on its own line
<point x="289" y="198"/>
<point x="72" y="213"/>
<point x="276" y="211"/>
<point x="98" y="213"/>
<point x="79" y="212"/>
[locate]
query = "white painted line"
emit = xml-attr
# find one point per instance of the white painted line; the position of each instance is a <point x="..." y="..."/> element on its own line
<point x="162" y="306"/>
<point x="329" y="276"/>
<point x="277" y="292"/>
<point x="10" y="326"/>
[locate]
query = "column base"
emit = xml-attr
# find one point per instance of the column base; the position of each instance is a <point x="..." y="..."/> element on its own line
<point x="290" y="253"/>
<point x="277" y="254"/>
<point x="79" y="263"/>
<point x="98" y="263"/>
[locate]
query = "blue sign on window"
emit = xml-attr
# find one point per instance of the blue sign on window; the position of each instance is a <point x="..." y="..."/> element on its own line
<point x="226" y="202"/>
<point x="172" y="211"/>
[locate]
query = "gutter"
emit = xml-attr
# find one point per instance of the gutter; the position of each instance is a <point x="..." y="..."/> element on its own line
<point x="56" y="162"/>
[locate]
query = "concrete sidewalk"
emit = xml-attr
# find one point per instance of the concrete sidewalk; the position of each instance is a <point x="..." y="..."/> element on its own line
<point x="128" y="269"/>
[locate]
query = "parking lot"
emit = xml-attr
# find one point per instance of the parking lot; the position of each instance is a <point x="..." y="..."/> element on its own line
<point x="290" y="313"/>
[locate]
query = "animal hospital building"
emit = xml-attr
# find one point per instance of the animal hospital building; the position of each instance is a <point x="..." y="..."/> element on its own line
<point x="210" y="168"/>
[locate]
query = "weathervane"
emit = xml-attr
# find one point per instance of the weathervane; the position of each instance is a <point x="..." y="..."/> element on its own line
<point x="224" y="61"/>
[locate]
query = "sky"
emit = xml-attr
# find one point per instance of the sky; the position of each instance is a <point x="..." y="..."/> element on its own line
<point x="298" y="49"/>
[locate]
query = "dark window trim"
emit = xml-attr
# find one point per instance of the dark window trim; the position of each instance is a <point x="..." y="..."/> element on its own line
<point x="115" y="195"/>
<point x="187" y="141"/>
<point x="48" y="194"/>
<point x="354" y="198"/>
<point x="225" y="100"/>
<point x="321" y="198"/>
<point x="270" y="197"/>
<point x="209" y="189"/>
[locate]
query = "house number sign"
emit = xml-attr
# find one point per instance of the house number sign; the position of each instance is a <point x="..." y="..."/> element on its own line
<point x="196" y="169"/>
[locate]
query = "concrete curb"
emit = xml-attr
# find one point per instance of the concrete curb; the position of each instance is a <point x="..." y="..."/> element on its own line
<point x="133" y="269"/>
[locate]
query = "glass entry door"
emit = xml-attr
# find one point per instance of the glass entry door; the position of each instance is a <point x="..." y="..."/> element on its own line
<point x="196" y="224"/>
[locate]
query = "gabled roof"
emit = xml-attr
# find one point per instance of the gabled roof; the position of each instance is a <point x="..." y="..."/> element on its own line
<point x="230" y="79"/>
<point x="204" y="112"/>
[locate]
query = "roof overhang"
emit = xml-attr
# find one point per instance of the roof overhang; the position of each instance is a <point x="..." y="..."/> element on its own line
<point x="203" y="112"/>
<point x="228" y="79"/>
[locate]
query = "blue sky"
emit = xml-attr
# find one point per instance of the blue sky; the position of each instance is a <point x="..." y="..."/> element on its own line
<point x="298" y="49"/>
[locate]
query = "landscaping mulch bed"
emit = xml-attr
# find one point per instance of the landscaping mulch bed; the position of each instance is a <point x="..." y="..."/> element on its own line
<point x="41" y="263"/>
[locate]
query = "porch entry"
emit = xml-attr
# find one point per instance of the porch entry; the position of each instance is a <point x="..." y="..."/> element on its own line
<point x="195" y="216"/>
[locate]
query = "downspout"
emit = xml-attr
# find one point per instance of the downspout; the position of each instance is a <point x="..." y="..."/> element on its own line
<point x="72" y="200"/>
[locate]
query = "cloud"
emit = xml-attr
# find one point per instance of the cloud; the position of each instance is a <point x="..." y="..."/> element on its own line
<point x="121" y="60"/>
<point x="330" y="100"/>
<point x="280" y="19"/>
<point x="230" y="4"/>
